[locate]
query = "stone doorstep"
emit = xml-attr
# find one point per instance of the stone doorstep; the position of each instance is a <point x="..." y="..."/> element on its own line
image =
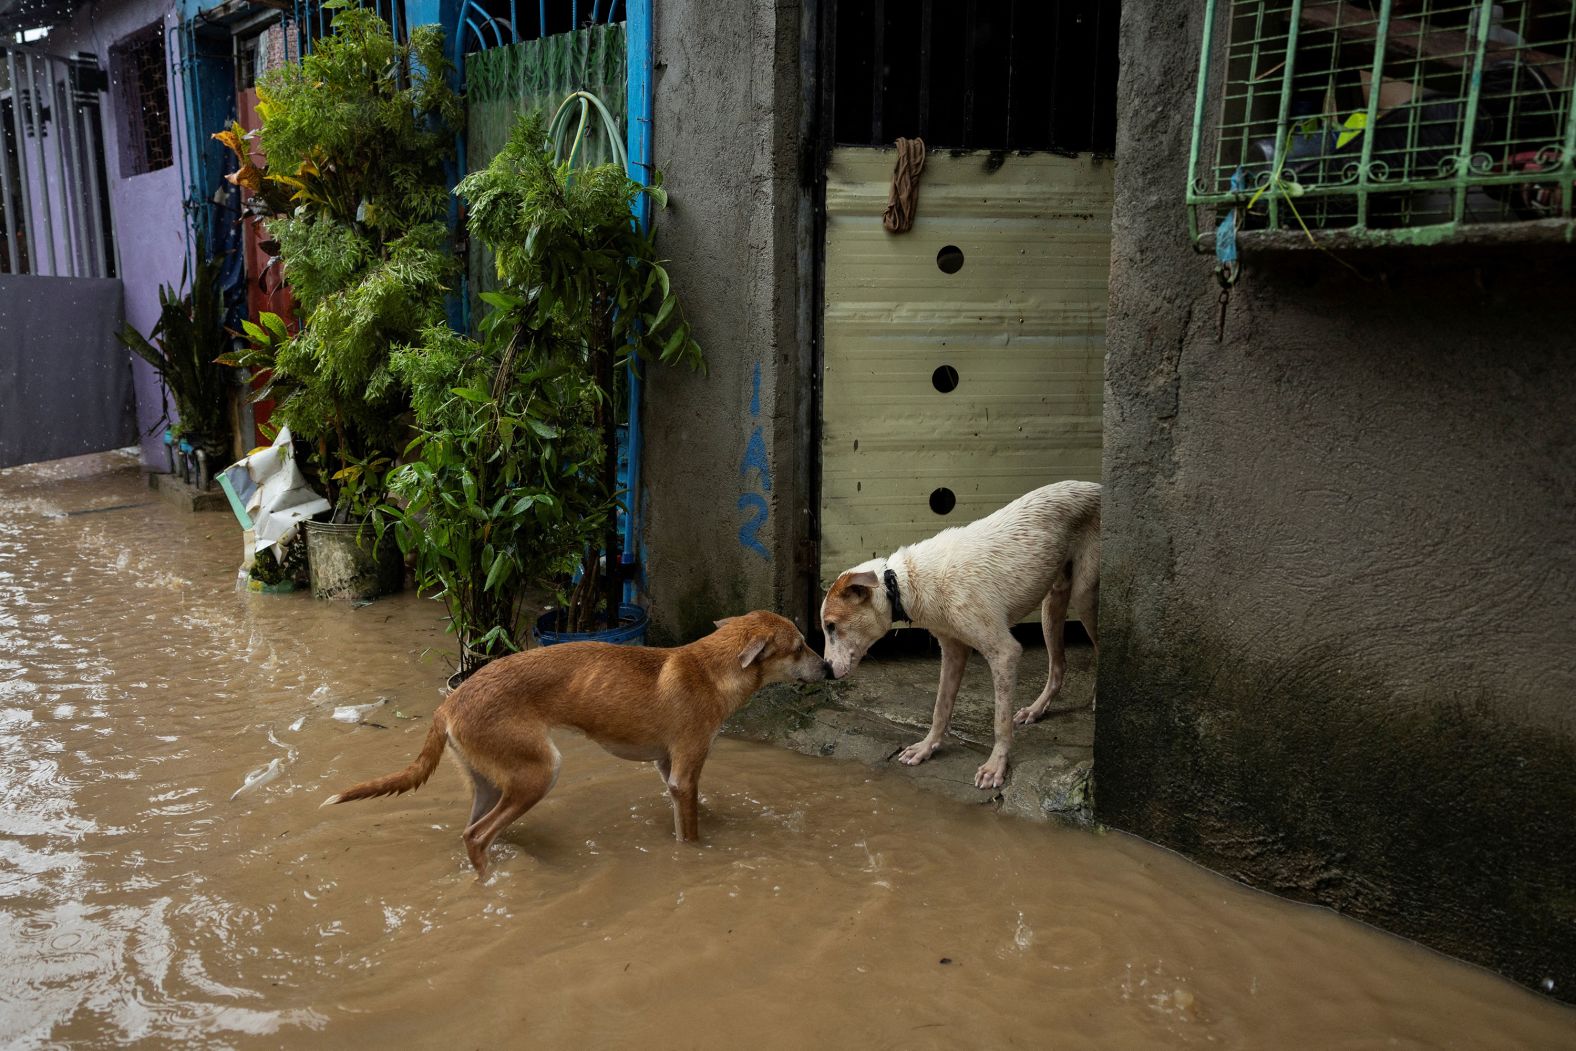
<point x="187" y="497"/>
<point x="886" y="706"/>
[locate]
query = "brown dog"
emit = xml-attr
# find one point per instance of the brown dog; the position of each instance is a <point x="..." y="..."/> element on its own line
<point x="644" y="704"/>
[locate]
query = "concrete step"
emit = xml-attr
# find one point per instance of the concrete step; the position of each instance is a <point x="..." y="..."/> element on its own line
<point x="187" y="497"/>
<point x="886" y="705"/>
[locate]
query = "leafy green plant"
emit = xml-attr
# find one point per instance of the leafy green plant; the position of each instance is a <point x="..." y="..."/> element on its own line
<point x="363" y="482"/>
<point x="510" y="483"/>
<point x="589" y="282"/>
<point x="356" y="137"/>
<point x="494" y="495"/>
<point x="185" y="347"/>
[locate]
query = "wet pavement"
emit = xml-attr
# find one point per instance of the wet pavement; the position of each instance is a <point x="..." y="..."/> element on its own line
<point x="828" y="903"/>
<point x="888" y="703"/>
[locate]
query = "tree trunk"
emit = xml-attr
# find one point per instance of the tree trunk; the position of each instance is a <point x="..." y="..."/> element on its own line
<point x="582" y="600"/>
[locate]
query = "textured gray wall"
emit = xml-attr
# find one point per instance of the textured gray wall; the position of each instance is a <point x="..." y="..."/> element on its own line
<point x="722" y="535"/>
<point x="1339" y="593"/>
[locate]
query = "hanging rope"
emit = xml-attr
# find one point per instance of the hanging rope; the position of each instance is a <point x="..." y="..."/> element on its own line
<point x="899" y="214"/>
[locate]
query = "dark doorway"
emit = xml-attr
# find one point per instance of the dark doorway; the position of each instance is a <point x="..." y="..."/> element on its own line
<point x="971" y="74"/>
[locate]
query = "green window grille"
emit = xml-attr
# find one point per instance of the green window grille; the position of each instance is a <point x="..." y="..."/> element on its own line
<point x="1385" y="121"/>
<point x="501" y="83"/>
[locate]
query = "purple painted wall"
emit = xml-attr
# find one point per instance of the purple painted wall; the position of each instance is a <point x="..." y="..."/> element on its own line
<point x="150" y="228"/>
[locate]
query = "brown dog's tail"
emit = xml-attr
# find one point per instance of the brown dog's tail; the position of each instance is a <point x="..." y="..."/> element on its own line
<point x="413" y="776"/>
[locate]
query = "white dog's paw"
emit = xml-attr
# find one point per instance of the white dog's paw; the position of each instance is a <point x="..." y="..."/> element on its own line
<point x="1025" y="716"/>
<point x="915" y="754"/>
<point x="991" y="774"/>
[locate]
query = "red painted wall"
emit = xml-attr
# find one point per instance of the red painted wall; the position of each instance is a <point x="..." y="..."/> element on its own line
<point x="269" y="295"/>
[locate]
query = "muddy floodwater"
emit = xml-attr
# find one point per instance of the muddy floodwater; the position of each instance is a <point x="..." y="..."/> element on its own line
<point x="827" y="906"/>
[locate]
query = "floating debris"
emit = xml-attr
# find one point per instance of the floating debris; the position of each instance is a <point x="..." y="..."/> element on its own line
<point x="257" y="778"/>
<point x="353" y="713"/>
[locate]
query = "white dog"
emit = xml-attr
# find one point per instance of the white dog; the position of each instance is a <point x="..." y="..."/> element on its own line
<point x="969" y="585"/>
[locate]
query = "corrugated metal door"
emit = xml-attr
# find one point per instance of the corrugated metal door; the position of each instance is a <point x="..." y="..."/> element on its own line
<point x="964" y="359"/>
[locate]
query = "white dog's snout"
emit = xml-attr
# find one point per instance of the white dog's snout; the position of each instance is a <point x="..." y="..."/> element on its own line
<point x="841" y="663"/>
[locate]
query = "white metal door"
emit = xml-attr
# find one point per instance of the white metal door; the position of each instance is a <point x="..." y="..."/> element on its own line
<point x="963" y="359"/>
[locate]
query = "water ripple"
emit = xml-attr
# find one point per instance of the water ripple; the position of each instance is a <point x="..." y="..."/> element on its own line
<point x="824" y="906"/>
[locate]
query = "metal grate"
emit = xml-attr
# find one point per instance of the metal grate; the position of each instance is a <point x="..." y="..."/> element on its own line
<point x="499" y="23"/>
<point x="1008" y="75"/>
<point x="53" y="199"/>
<point x="140" y="80"/>
<point x="480" y="24"/>
<point x="1396" y="121"/>
<point x="308" y="21"/>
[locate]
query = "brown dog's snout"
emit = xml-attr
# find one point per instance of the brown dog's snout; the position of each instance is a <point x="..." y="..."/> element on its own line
<point x="826" y="670"/>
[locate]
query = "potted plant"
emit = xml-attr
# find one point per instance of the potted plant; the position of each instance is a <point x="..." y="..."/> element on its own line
<point x="564" y="238"/>
<point x="494" y="497"/>
<point x="354" y="199"/>
<point x="512" y="481"/>
<point x="186" y="347"/>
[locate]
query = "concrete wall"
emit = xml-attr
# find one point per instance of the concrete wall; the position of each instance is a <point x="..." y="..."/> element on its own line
<point x="150" y="227"/>
<point x="1339" y="590"/>
<point x="722" y="471"/>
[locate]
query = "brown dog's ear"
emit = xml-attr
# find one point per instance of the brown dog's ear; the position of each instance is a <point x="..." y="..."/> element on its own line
<point x="862" y="583"/>
<point x="752" y="650"/>
<point x="724" y="620"/>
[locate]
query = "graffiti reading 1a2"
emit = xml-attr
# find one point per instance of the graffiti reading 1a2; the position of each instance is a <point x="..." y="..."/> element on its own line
<point x="752" y="500"/>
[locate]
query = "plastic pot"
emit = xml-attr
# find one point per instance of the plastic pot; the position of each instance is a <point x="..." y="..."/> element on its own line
<point x="630" y="631"/>
<point x="342" y="563"/>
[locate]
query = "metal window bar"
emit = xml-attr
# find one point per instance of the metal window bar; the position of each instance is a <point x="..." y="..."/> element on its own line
<point x="482" y="24"/>
<point x="51" y="198"/>
<point x="92" y="168"/>
<point x="307" y="22"/>
<point x="35" y="128"/>
<point x="190" y="121"/>
<point x="498" y="23"/>
<point x="1013" y="75"/>
<point x="140" y="68"/>
<point x="152" y="102"/>
<point x="123" y="84"/>
<point x="64" y="173"/>
<point x="1391" y="127"/>
<point x="13" y="190"/>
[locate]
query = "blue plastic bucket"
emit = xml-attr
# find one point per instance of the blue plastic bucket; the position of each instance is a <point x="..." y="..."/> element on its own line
<point x="631" y="630"/>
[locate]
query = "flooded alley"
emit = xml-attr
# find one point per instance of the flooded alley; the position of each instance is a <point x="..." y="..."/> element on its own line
<point x="143" y="906"/>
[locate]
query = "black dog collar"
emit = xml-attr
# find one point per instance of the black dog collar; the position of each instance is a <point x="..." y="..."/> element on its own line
<point x="896" y="600"/>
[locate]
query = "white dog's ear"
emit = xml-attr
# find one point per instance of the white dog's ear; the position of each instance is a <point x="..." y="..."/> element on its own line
<point x="752" y="650"/>
<point x="862" y="583"/>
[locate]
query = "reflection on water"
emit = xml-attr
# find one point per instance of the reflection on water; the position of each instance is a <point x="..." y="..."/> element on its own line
<point x="141" y="905"/>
